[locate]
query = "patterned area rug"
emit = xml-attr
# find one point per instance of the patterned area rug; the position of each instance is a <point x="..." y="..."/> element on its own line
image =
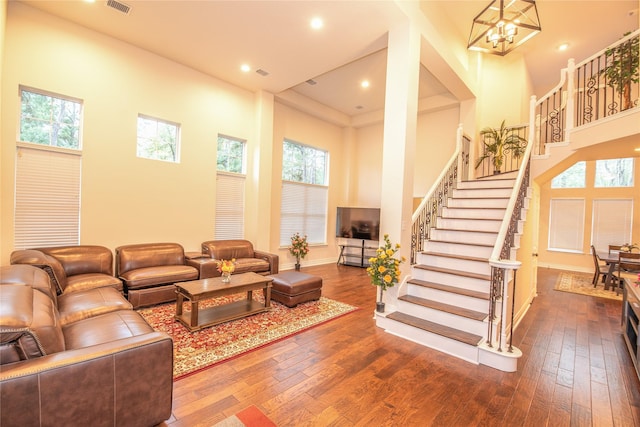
<point x="194" y="351"/>
<point x="249" y="417"/>
<point x="580" y="283"/>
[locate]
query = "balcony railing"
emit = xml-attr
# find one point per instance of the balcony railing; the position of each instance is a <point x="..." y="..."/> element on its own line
<point x="424" y="217"/>
<point x="600" y="86"/>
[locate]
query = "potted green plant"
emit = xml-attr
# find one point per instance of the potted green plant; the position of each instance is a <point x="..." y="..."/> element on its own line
<point x="384" y="269"/>
<point x="622" y="68"/>
<point x="498" y="143"/>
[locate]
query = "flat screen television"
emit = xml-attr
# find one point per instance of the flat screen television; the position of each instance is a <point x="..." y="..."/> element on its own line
<point x="358" y="223"/>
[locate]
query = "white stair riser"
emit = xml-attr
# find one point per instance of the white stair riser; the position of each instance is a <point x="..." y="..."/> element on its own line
<point x="478" y="203"/>
<point x="463" y="301"/>
<point x="486" y="184"/>
<point x="482" y="238"/>
<point x="458" y="249"/>
<point x="477" y="267"/>
<point x="464" y="282"/>
<point x="427" y="339"/>
<point x="471" y="213"/>
<point x="469" y="224"/>
<point x="482" y="192"/>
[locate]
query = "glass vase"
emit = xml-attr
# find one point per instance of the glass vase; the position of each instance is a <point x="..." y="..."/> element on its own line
<point x="226" y="277"/>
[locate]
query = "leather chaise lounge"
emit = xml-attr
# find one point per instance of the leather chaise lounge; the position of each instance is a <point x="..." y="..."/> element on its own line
<point x="78" y="359"/>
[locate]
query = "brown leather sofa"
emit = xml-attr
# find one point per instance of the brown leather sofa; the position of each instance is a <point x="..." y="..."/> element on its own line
<point x="247" y="258"/>
<point x="72" y="268"/>
<point x="149" y="271"/>
<point x="77" y="359"/>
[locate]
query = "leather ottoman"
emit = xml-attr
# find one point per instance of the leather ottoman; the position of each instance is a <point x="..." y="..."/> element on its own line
<point x="292" y="288"/>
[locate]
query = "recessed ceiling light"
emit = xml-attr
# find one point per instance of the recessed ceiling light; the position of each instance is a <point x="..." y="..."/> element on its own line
<point x="637" y="149"/>
<point x="365" y="84"/>
<point x="245" y="68"/>
<point x="563" y="47"/>
<point x="317" y="23"/>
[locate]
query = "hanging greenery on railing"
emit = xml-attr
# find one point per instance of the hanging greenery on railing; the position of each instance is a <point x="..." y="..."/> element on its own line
<point x="621" y="70"/>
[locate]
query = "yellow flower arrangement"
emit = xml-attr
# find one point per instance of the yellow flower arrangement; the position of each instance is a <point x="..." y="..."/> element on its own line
<point x="227" y="266"/>
<point x="384" y="268"/>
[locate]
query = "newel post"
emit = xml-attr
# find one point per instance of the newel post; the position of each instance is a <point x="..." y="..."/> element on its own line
<point x="507" y="266"/>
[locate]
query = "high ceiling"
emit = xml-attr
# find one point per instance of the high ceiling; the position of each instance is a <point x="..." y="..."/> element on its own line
<point x="216" y="37"/>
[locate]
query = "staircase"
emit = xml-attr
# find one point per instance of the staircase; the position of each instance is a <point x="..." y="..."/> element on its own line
<point x="446" y="303"/>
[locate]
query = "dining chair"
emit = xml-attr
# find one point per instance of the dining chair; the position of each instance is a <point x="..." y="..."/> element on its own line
<point x="628" y="268"/>
<point x="615" y="248"/>
<point x="601" y="268"/>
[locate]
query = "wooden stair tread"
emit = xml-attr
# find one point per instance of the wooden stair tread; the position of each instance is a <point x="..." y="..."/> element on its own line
<point x="482" y="198"/>
<point x="466" y="231"/>
<point x="449" y="218"/>
<point x="461" y="243"/>
<point x="454" y="272"/>
<point x="435" y="328"/>
<point x="456" y="256"/>
<point x="447" y="308"/>
<point x="450" y="289"/>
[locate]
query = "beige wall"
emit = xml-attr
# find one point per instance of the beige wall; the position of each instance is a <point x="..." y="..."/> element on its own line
<point x="126" y="199"/>
<point x="583" y="261"/>
<point x="3" y="22"/>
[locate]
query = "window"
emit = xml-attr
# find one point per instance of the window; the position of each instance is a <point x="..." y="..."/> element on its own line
<point x="47" y="201"/>
<point x="231" y="154"/>
<point x="304" y="193"/>
<point x="612" y="222"/>
<point x="566" y="225"/>
<point x="230" y="182"/>
<point x="157" y="139"/>
<point x="49" y="119"/>
<point x="614" y="173"/>
<point x="301" y="163"/>
<point x="574" y="177"/>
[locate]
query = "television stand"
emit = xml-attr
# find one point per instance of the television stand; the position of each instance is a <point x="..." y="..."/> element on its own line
<point x="356" y="255"/>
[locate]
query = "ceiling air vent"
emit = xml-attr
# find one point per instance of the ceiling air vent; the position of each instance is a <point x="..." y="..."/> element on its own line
<point x="120" y="7"/>
<point x="311" y="82"/>
<point x="262" y="72"/>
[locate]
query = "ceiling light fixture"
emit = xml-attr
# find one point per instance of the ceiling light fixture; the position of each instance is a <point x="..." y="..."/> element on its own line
<point x="501" y="27"/>
<point x="365" y="84"/>
<point x="317" y="23"/>
<point x="245" y="68"/>
<point x="563" y="47"/>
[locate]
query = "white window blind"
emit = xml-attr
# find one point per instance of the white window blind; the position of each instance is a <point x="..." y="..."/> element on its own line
<point x="47" y="200"/>
<point x="229" y="206"/>
<point x="612" y="222"/>
<point x="566" y="224"/>
<point x="303" y="210"/>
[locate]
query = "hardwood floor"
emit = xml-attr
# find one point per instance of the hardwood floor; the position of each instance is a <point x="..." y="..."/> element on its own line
<point x="575" y="371"/>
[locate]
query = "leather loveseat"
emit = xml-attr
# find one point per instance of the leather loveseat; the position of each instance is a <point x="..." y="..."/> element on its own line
<point x="78" y="359"/>
<point x="72" y="268"/>
<point x="247" y="259"/>
<point x="149" y="271"/>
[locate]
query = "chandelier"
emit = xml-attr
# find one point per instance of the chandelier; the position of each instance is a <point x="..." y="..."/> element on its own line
<point x="501" y="27"/>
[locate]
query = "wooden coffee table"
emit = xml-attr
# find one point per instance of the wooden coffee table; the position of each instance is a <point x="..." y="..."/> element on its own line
<point x="198" y="290"/>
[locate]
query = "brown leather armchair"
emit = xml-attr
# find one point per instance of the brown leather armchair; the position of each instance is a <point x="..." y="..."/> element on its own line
<point x="247" y="258"/>
<point x="72" y="268"/>
<point x="149" y="271"/>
